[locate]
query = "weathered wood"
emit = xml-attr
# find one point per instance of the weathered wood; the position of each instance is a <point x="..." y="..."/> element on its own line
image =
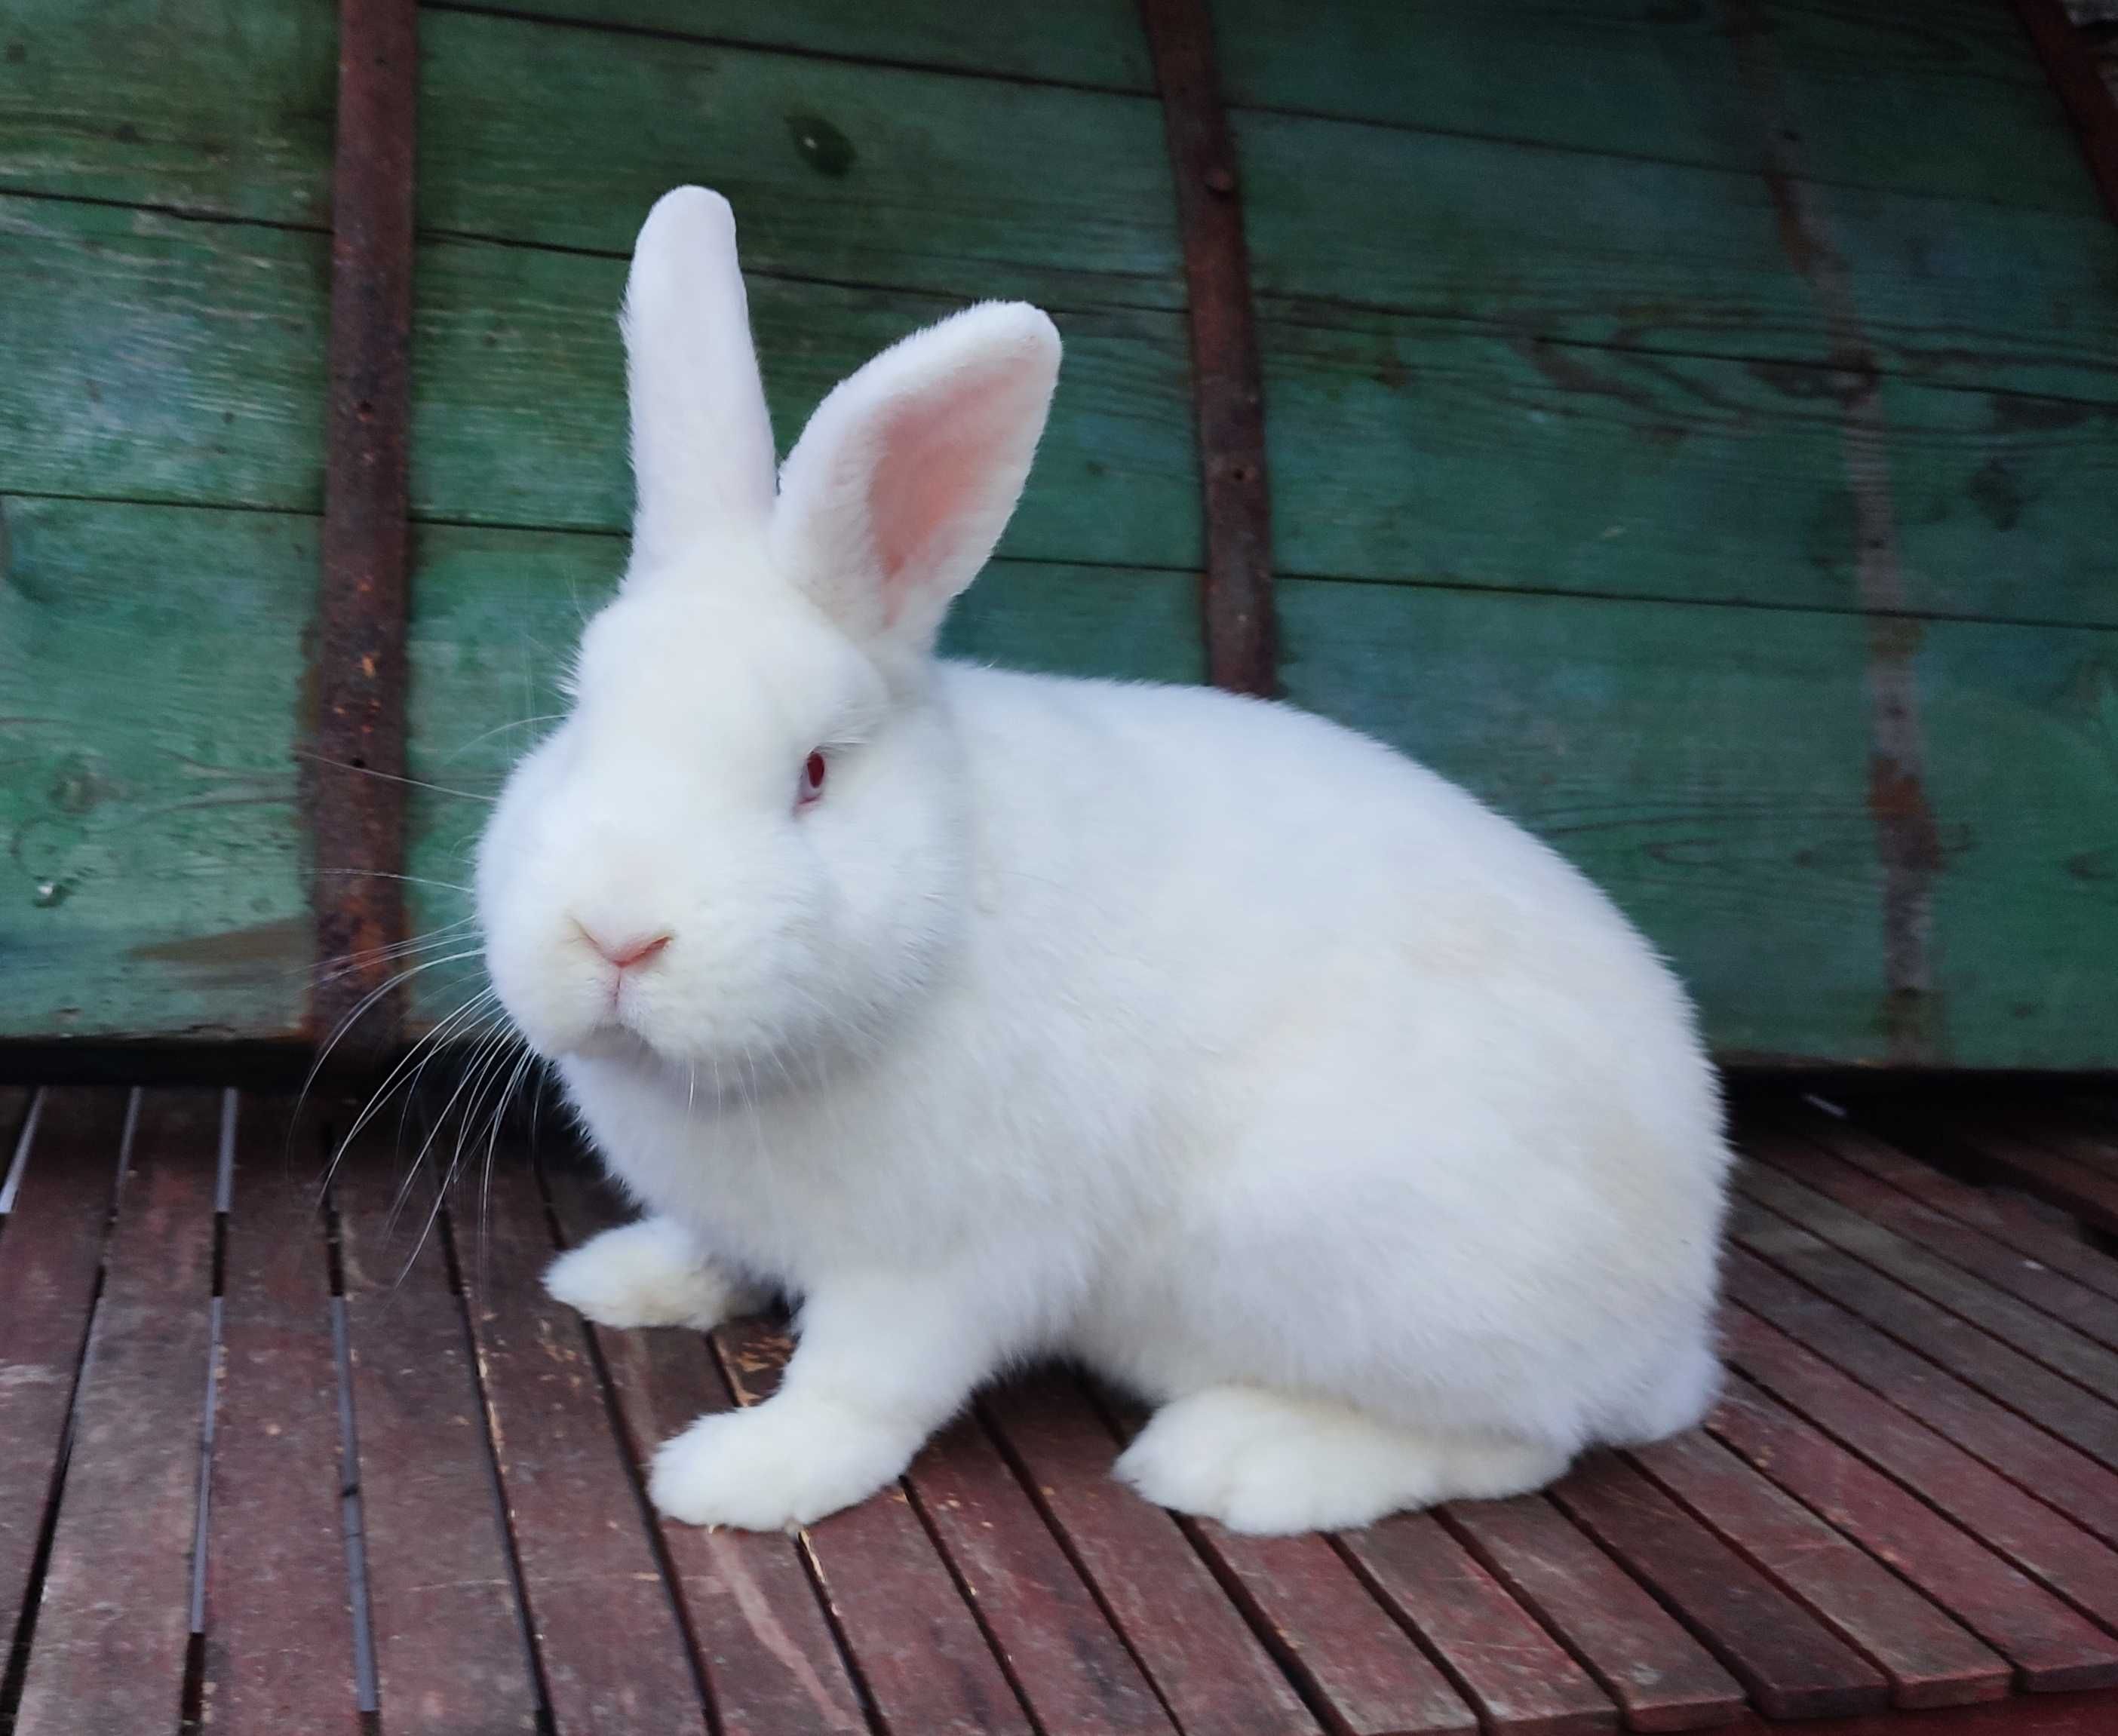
<point x="1985" y="1256"/>
<point x="2074" y="1415"/>
<point x="1498" y="236"/>
<point x="855" y="174"/>
<point x="279" y="1633"/>
<point x="1331" y="1632"/>
<point x="1091" y="42"/>
<point x="2000" y="1215"/>
<point x="1792" y="1668"/>
<point x="917" y="1645"/>
<point x="450" y="1642"/>
<point x="51" y="1246"/>
<point x="1509" y="1667"/>
<point x="1404" y="449"/>
<point x="145" y="774"/>
<point x="615" y="1657"/>
<point x="1226" y="391"/>
<point x="2007" y="1521"/>
<point x="520" y="406"/>
<point x="220" y="108"/>
<point x="1929" y="1659"/>
<point x="1206" y="1664"/>
<point x="2048" y="1168"/>
<point x="1864" y="85"/>
<point x="2058" y="1347"/>
<point x="1658" y="1674"/>
<point x="2050" y="1646"/>
<point x="154" y="359"/>
<point x="772" y="1666"/>
<point x="355" y="793"/>
<point x="115" y="1619"/>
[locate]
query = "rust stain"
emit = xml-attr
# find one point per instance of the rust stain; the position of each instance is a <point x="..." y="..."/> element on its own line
<point x="1908" y="836"/>
<point x="233" y="952"/>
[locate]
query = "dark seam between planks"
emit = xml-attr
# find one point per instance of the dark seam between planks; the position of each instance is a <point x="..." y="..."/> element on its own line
<point x="358" y="825"/>
<point x="1907" y="838"/>
<point x="179" y="213"/>
<point x="792" y="51"/>
<point x="444" y="1229"/>
<point x="1228" y="392"/>
<point x="2071" y="71"/>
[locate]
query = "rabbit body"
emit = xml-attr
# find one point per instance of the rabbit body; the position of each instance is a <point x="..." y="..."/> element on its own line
<point x="1203" y="1041"/>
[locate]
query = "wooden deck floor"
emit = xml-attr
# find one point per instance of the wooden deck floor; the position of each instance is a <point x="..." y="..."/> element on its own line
<point x="268" y="1468"/>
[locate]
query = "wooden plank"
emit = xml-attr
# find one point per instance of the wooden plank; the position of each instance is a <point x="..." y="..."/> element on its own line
<point x="2037" y="1336"/>
<point x="354" y="803"/>
<point x="1497" y="236"/>
<point x="1792" y="1668"/>
<point x="115" y="1619"/>
<point x="1406" y="450"/>
<point x="153" y="797"/>
<point x="917" y="1647"/>
<point x="1092" y="42"/>
<point x="2050" y="1646"/>
<point x="450" y="1644"/>
<point x="1929" y="1659"/>
<point x="220" y="108"/>
<point x="1071" y="1668"/>
<point x="1864" y="84"/>
<point x="2052" y="1166"/>
<point x="1236" y="591"/>
<point x="2046" y="1467"/>
<point x="1999" y="1214"/>
<point x="1327" y="1629"/>
<point x="1980" y="1361"/>
<point x="51" y="1247"/>
<point x="280" y="1625"/>
<point x="519" y="411"/>
<point x="1507" y="1666"/>
<point x="2070" y="64"/>
<point x="1660" y="1677"/>
<point x="771" y="1663"/>
<point x="1206" y="1664"/>
<point x="1985" y="1256"/>
<point x="152" y="358"/>
<point x="840" y="173"/>
<point x="614" y="1655"/>
<point x="2052" y="1550"/>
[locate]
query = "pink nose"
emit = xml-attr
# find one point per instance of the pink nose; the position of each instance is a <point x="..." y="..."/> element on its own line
<point x="625" y="954"/>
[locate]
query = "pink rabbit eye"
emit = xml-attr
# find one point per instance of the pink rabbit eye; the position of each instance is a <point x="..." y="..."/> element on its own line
<point x="812" y="779"/>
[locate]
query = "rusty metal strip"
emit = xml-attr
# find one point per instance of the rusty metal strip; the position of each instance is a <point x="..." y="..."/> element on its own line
<point x="1229" y="399"/>
<point x="1908" y="839"/>
<point x="354" y="783"/>
<point x="2071" y="68"/>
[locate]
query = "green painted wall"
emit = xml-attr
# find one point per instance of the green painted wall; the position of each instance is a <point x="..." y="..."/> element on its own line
<point x="1576" y="481"/>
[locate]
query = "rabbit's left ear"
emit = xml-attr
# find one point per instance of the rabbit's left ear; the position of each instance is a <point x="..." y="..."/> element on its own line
<point x="909" y="472"/>
<point x="701" y="438"/>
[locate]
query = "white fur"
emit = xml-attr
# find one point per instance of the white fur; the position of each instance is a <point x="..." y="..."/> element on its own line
<point x="1227" y="1051"/>
<point x="649" y="1273"/>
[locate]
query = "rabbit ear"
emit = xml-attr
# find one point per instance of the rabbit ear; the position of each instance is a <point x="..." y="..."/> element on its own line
<point x="905" y="477"/>
<point x="701" y="437"/>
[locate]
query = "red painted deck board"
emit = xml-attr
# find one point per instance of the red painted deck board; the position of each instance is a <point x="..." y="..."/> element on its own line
<point x="450" y="1648"/>
<point x="1792" y="1668"/>
<point x="2049" y="1644"/>
<point x="1661" y="1677"/>
<point x="2052" y="1166"/>
<point x="914" y="1641"/>
<point x="278" y="1633"/>
<point x="115" y="1624"/>
<point x="772" y="1666"/>
<point x="51" y="1248"/>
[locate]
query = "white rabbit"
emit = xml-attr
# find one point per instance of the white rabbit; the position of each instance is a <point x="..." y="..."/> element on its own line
<point x="995" y="1015"/>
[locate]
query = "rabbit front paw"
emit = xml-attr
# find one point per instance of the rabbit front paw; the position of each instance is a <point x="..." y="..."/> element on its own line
<point x="649" y="1273"/>
<point x="776" y="1467"/>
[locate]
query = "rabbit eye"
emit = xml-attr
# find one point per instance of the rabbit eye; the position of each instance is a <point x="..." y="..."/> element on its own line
<point x="812" y="779"/>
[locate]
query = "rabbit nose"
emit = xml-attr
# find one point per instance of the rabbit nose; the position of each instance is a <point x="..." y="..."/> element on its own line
<point x="626" y="954"/>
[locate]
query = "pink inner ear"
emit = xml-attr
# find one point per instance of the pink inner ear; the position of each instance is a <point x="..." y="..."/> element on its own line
<point x="935" y="464"/>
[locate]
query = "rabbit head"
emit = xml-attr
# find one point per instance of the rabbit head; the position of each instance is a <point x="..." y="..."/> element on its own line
<point x="745" y="845"/>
